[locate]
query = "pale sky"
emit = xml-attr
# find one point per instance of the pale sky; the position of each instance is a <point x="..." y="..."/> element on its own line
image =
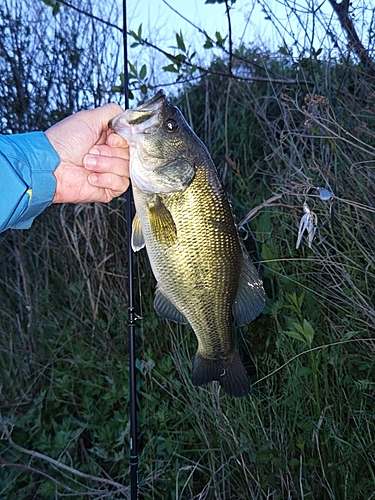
<point x="158" y="19"/>
<point x="249" y="20"/>
<point x="298" y="25"/>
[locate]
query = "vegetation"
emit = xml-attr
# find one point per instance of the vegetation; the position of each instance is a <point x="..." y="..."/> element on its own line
<point x="307" y="431"/>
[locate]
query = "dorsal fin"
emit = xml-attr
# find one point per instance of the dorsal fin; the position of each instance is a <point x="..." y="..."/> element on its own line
<point x="251" y="297"/>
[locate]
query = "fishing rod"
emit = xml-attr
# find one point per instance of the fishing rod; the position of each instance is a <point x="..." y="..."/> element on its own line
<point x="131" y="311"/>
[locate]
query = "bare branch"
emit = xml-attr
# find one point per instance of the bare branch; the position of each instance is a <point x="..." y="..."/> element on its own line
<point x="342" y="11"/>
<point x="56" y="463"/>
<point x="88" y="14"/>
<point x="230" y="37"/>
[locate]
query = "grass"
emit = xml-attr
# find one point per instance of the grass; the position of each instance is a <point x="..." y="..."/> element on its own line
<point x="307" y="430"/>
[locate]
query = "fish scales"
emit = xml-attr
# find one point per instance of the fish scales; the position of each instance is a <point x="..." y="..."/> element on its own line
<point x="183" y="218"/>
<point x="201" y="278"/>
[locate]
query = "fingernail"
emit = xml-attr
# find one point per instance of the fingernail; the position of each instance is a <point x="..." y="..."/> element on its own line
<point x="93" y="179"/>
<point x="114" y="141"/>
<point x="90" y="161"/>
<point x="94" y="151"/>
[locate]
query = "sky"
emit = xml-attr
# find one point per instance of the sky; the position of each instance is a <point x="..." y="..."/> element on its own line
<point x="160" y="23"/>
<point x="299" y="26"/>
<point x="246" y="16"/>
<point x="250" y="18"/>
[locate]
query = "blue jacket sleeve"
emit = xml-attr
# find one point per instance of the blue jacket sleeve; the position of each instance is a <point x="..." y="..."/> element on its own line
<point x="27" y="183"/>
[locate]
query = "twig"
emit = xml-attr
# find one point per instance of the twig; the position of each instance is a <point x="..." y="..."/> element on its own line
<point x="342" y="11"/>
<point x="306" y="352"/>
<point x="256" y="209"/>
<point x="56" y="463"/>
<point x="203" y="32"/>
<point x="92" y="16"/>
<point x="27" y="468"/>
<point x="188" y="63"/>
<point x="230" y="37"/>
<point x="222" y="73"/>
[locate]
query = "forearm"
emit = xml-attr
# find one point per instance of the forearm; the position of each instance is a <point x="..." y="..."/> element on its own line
<point x="27" y="163"/>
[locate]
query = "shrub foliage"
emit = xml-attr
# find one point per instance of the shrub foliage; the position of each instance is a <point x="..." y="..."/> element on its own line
<point x="307" y="430"/>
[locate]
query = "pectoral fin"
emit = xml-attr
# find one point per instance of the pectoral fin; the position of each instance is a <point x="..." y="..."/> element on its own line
<point x="162" y="223"/>
<point x="137" y="240"/>
<point x="164" y="307"/>
<point x="251" y="296"/>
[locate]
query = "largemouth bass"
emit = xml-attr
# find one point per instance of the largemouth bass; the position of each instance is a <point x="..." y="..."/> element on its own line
<point x="183" y="218"/>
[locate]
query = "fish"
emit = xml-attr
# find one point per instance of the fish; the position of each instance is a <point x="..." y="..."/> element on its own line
<point x="184" y="220"/>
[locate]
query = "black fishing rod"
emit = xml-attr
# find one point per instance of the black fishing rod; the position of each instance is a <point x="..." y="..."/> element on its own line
<point x="131" y="311"/>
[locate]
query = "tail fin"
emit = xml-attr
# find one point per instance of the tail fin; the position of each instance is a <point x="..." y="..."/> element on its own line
<point x="229" y="372"/>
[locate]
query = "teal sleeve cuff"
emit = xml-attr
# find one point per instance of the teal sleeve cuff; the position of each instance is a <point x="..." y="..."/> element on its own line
<point x="27" y="163"/>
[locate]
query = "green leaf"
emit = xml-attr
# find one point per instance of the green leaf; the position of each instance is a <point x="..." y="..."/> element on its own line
<point x="219" y="39"/>
<point x="178" y="59"/>
<point x="56" y="9"/>
<point x="284" y="50"/>
<point x="143" y="72"/>
<point x="170" y="68"/>
<point x="54" y="4"/>
<point x="48" y="489"/>
<point x="133" y="34"/>
<point x="308" y="332"/>
<point x="312" y="462"/>
<point x="180" y="42"/>
<point x="208" y="44"/>
<point x="318" y="52"/>
<point x="299" y="328"/>
<point x="132" y="68"/>
<point x="303" y="371"/>
<point x="295" y="335"/>
<point x="300" y="442"/>
<point x="269" y="256"/>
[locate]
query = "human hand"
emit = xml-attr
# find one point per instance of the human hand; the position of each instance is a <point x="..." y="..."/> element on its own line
<point x="94" y="162"/>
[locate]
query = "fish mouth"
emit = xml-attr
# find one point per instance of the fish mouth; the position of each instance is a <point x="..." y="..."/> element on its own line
<point x="142" y="119"/>
<point x="153" y="103"/>
<point x="145" y="111"/>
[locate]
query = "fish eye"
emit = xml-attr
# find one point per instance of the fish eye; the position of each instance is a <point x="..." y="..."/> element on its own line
<point x="170" y="125"/>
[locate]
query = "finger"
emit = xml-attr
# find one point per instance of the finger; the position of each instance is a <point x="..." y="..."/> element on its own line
<point x="105" y="113"/>
<point x="116" y="141"/>
<point x="105" y="150"/>
<point x="106" y="164"/>
<point x="97" y="120"/>
<point x="115" y="183"/>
